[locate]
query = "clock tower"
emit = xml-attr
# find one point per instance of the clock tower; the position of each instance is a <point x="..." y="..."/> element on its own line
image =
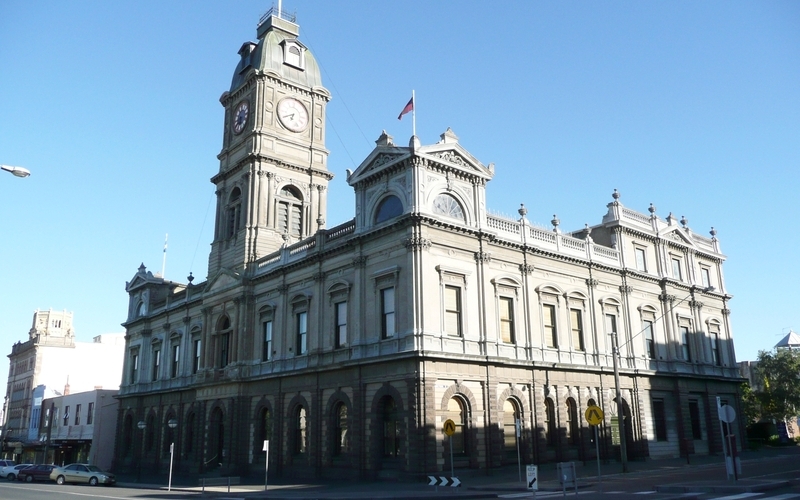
<point x="272" y="181"/>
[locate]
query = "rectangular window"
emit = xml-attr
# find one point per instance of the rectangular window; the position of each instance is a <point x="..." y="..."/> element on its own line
<point x="576" y="320"/>
<point x="452" y="310"/>
<point x="694" y="415"/>
<point x="90" y="414"/>
<point x="550" y="332"/>
<point x="715" y="357"/>
<point x="134" y="367"/>
<point x="649" y="340"/>
<point x="302" y="333"/>
<point x="686" y="348"/>
<point x="176" y="350"/>
<point x="387" y="312"/>
<point x="659" y="419"/>
<point x="641" y="263"/>
<point x="77" y="414"/>
<point x="676" y="269"/>
<point x="196" y="360"/>
<point x="705" y="276"/>
<point x="507" y="320"/>
<point x="66" y="415"/>
<point x="224" y="345"/>
<point x="156" y="363"/>
<point x="341" y="324"/>
<point x="266" y="353"/>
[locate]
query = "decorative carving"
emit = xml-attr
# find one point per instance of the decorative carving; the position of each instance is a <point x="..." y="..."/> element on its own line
<point x="483" y="257"/>
<point x="382" y="159"/>
<point x="591" y="282"/>
<point x="726" y="312"/>
<point x="319" y="276"/>
<point x="452" y="158"/>
<point x="360" y="261"/>
<point x="665" y="297"/>
<point x="166" y="327"/>
<point x="625" y="289"/>
<point x="526" y="269"/>
<point x="282" y="289"/>
<point x="694" y="304"/>
<point x="417" y="242"/>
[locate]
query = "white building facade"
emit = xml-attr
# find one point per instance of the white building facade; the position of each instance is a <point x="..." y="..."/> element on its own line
<point x="348" y="348"/>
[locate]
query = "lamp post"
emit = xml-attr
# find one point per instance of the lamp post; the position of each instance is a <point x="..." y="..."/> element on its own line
<point x="172" y="423"/>
<point x="141" y="425"/>
<point x="615" y="354"/>
<point x="17" y="171"/>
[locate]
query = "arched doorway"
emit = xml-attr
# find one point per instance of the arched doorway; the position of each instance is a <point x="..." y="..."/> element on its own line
<point x="511" y="413"/>
<point x="216" y="439"/>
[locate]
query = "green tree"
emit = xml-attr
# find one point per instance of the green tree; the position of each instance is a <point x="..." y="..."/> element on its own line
<point x="779" y="374"/>
<point x="751" y="406"/>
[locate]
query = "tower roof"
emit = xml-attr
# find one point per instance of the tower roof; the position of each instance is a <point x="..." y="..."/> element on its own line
<point x="277" y="35"/>
<point x="791" y="340"/>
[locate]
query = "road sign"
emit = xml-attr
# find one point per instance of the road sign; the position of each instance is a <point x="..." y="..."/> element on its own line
<point x="594" y="415"/>
<point x="449" y="427"/>
<point x="452" y="482"/>
<point x="531" y="473"/>
<point x="726" y="413"/>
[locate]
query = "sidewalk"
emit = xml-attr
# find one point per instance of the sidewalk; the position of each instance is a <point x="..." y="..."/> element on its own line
<point x="482" y="484"/>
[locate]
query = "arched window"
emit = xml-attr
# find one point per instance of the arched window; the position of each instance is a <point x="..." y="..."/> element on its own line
<point x="390" y="207"/>
<point x="233" y="213"/>
<point x="341" y="443"/>
<point x="391" y="439"/>
<point x="141" y="309"/>
<point x="457" y="412"/>
<point x="223" y="341"/>
<point x="572" y="422"/>
<point x="511" y="414"/>
<point x="300" y="431"/>
<point x="550" y="422"/>
<point x="290" y="212"/>
<point x="169" y="434"/>
<point x="446" y="205"/>
<point x="150" y="433"/>
<point x="264" y="430"/>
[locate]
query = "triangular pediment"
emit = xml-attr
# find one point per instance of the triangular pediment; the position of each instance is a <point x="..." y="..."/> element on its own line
<point x="678" y="235"/>
<point x="141" y="278"/>
<point x="381" y="158"/>
<point x="455" y="157"/>
<point x="225" y="279"/>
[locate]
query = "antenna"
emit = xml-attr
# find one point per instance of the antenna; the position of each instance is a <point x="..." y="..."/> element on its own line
<point x="164" y="259"/>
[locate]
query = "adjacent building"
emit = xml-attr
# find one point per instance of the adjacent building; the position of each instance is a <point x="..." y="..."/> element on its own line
<point x="53" y="363"/>
<point x="348" y="348"/>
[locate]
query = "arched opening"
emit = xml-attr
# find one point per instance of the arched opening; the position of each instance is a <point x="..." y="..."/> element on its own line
<point x="127" y="436"/>
<point x="188" y="443"/>
<point x="169" y="434"/>
<point x="290" y="212"/>
<point x="216" y="438"/>
<point x="223" y="341"/>
<point x="341" y="441"/>
<point x="391" y="429"/>
<point x="389" y="207"/>
<point x="511" y="413"/>
<point x="573" y="424"/>
<point x="550" y="422"/>
<point x="458" y="412"/>
<point x="150" y="433"/>
<point x="300" y="431"/>
<point x="233" y="213"/>
<point x="625" y="412"/>
<point x="263" y="431"/>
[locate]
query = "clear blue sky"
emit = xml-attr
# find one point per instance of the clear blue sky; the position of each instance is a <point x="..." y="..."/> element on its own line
<point x="114" y="107"/>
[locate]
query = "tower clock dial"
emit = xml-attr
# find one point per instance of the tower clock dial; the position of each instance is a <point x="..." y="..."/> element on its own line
<point x="292" y="114"/>
<point x="240" y="117"/>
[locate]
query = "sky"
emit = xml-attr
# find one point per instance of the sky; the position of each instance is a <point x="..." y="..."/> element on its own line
<point x="114" y="108"/>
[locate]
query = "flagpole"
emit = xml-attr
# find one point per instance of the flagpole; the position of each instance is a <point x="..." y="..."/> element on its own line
<point x="413" y="114"/>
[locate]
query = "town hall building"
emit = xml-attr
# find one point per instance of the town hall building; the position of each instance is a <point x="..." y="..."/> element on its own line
<point x="348" y="348"/>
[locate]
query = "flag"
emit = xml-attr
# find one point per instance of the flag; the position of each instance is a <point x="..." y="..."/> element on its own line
<point x="409" y="107"/>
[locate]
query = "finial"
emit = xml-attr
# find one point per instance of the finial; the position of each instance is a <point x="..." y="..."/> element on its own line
<point x="616" y="195"/>
<point x="713" y="233"/>
<point x="522" y="210"/>
<point x="142" y="268"/>
<point x="190" y="278"/>
<point x="652" y="209"/>
<point x="555" y="222"/>
<point x="684" y="221"/>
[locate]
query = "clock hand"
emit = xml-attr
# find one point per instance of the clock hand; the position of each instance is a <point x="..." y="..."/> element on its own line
<point x="291" y="117"/>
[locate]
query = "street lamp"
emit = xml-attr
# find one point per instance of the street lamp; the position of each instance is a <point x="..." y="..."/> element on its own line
<point x="172" y="423"/>
<point x="141" y="425"/>
<point x="623" y="451"/>
<point x="17" y="171"/>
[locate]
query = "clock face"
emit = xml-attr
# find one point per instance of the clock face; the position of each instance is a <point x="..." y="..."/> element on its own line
<point x="240" y="117"/>
<point x="292" y="114"/>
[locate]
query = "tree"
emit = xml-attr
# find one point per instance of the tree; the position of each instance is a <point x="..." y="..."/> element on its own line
<point x="779" y="374"/>
<point x="751" y="406"/>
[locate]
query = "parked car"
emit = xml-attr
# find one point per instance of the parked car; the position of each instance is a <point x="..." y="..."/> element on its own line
<point x="10" y="471"/>
<point x="33" y="473"/>
<point x="6" y="463"/>
<point x="82" y="473"/>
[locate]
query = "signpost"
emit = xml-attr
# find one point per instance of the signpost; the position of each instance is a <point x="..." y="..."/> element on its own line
<point x="266" y="467"/>
<point x="531" y="473"/>
<point x="594" y="416"/>
<point x="449" y="428"/>
<point x="727" y="415"/>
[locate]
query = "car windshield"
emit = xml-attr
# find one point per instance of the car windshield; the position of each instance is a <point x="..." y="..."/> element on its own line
<point x="94" y="468"/>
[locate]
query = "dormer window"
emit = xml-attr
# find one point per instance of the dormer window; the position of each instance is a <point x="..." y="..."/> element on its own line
<point x="294" y="54"/>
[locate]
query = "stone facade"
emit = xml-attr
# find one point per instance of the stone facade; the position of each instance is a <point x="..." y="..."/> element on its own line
<point x="348" y="348"/>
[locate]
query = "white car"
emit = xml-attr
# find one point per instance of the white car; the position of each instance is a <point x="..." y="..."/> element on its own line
<point x="10" y="471"/>
<point x="82" y="473"/>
